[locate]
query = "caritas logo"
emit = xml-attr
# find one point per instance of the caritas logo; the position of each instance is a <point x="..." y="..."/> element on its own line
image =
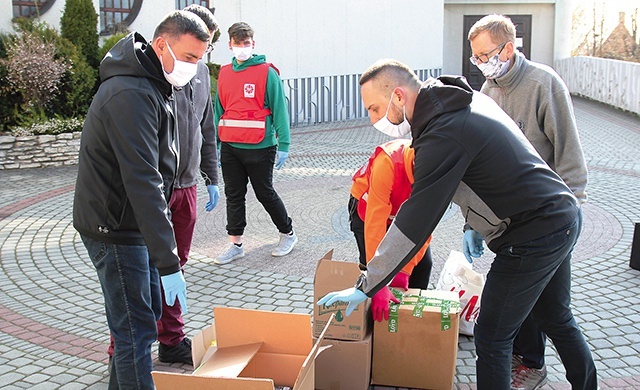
<point x="249" y="90"/>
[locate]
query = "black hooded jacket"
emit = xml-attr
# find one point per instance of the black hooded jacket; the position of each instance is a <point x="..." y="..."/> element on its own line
<point x="128" y="155"/>
<point x="463" y="136"/>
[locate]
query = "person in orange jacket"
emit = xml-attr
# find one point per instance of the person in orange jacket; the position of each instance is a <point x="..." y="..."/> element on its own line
<point x="379" y="188"/>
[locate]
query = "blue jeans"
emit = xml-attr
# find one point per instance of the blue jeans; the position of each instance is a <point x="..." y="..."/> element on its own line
<point x="534" y="277"/>
<point x="133" y="303"/>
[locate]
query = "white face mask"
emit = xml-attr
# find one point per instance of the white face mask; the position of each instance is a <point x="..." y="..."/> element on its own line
<point x="242" y="53"/>
<point x="182" y="72"/>
<point x="494" y="68"/>
<point x="384" y="124"/>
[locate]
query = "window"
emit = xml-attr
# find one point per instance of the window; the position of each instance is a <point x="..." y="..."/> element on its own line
<point x="117" y="15"/>
<point x="180" y="4"/>
<point x="30" y="8"/>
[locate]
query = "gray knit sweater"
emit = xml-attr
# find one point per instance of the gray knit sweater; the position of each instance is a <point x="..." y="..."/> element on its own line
<point x="537" y="99"/>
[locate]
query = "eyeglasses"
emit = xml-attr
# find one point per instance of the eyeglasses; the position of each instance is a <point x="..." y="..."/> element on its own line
<point x="484" y="58"/>
<point x="210" y="48"/>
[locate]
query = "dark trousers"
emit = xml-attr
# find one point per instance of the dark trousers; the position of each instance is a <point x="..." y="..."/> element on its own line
<point x="533" y="278"/>
<point x="530" y="342"/>
<point x="420" y="275"/>
<point x="239" y="166"/>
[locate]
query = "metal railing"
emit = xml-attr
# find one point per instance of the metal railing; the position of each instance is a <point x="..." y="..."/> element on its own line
<point x="613" y="82"/>
<point x="314" y="100"/>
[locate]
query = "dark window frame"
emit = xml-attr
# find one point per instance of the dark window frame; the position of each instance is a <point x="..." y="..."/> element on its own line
<point x="132" y="14"/>
<point x="180" y="4"/>
<point x="43" y="6"/>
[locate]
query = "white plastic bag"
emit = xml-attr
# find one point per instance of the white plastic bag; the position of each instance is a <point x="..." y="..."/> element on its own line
<point x="457" y="275"/>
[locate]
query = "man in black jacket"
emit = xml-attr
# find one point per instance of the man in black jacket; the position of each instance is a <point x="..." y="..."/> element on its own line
<point x="463" y="139"/>
<point x="127" y="165"/>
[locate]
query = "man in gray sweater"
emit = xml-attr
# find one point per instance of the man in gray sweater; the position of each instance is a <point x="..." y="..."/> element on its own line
<point x="537" y="99"/>
<point x="198" y="156"/>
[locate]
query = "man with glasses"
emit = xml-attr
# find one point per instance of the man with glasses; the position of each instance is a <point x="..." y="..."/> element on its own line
<point x="198" y="156"/>
<point x="537" y="99"/>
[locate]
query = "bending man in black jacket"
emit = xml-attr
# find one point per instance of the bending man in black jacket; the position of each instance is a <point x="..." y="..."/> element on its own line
<point x="127" y="166"/>
<point x="463" y="139"/>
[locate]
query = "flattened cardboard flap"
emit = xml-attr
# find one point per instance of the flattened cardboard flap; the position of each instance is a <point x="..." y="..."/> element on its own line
<point x="175" y="381"/>
<point x="280" y="333"/>
<point x="306" y="378"/>
<point x="228" y="362"/>
<point x="203" y="345"/>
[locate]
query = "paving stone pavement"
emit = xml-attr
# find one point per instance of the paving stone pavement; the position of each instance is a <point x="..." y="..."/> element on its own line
<point x="53" y="333"/>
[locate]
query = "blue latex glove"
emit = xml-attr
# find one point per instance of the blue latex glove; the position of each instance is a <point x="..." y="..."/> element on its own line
<point x="352" y="296"/>
<point x="472" y="245"/>
<point x="281" y="158"/>
<point x="214" y="195"/>
<point x="175" y="286"/>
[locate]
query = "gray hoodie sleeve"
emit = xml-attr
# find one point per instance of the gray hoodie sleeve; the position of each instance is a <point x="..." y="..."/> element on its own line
<point x="209" y="161"/>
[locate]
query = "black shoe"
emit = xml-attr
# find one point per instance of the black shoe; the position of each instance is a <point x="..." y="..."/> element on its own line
<point x="180" y="353"/>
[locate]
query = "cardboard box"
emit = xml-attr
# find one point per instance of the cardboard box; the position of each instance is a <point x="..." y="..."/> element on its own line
<point x="417" y="347"/>
<point x="331" y="276"/>
<point x="250" y="350"/>
<point x="346" y="365"/>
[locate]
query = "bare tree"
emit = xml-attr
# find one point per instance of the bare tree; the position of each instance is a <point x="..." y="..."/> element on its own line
<point x="634" y="34"/>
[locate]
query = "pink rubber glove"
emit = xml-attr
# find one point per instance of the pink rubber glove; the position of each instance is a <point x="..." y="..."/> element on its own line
<point x="401" y="280"/>
<point x="380" y="304"/>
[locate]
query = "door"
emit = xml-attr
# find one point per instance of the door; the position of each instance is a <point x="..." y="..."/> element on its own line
<point x="523" y="43"/>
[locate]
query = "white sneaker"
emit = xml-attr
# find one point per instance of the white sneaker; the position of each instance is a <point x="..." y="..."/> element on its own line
<point x="286" y="244"/>
<point x="233" y="252"/>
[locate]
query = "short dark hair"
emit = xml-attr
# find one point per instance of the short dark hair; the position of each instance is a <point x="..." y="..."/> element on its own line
<point x="388" y="74"/>
<point x="178" y="23"/>
<point x="240" y="31"/>
<point x="205" y="14"/>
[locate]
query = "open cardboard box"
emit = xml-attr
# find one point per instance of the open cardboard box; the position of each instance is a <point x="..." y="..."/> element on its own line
<point x="417" y="347"/>
<point x="250" y="350"/>
<point x="332" y="275"/>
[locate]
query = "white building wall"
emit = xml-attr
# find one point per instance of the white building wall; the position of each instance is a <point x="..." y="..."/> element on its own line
<point x="6" y="14"/>
<point x="305" y="38"/>
<point x="542" y="30"/>
<point x="54" y="14"/>
<point x="150" y="15"/>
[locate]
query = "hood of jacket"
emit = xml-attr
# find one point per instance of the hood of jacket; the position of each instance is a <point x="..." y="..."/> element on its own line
<point x="134" y="56"/>
<point x="439" y="96"/>
<point x="255" y="59"/>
